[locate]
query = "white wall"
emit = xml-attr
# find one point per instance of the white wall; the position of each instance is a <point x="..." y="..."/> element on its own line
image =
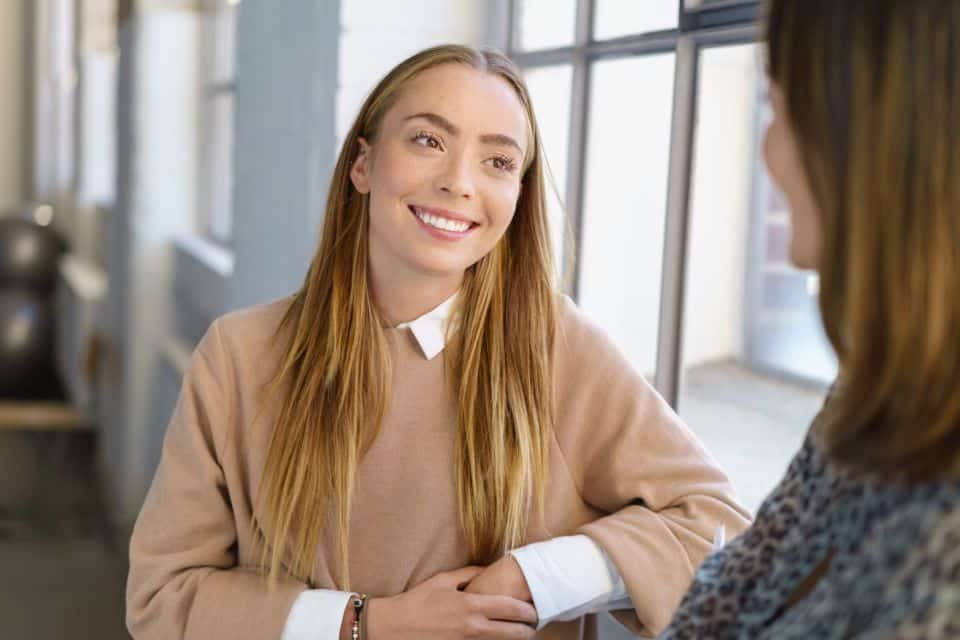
<point x="12" y="85"/>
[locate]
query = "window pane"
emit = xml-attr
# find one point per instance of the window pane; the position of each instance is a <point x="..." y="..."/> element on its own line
<point x="550" y="91"/>
<point x="625" y="201"/>
<point x="751" y="416"/>
<point x="615" y="18"/>
<point x="544" y="24"/>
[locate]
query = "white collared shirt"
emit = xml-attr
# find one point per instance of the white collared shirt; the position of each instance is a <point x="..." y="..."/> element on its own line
<point x="430" y="329"/>
<point x="568" y="576"/>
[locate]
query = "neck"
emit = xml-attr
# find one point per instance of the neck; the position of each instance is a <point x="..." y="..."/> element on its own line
<point x="401" y="296"/>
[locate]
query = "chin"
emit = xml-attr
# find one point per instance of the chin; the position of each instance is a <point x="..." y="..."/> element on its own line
<point x="440" y="269"/>
<point x="443" y="263"/>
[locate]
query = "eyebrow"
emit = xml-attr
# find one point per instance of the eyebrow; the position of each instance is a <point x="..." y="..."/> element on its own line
<point x="499" y="139"/>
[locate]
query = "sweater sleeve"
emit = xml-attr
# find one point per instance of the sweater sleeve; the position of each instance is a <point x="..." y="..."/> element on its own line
<point x="661" y="494"/>
<point x="184" y="579"/>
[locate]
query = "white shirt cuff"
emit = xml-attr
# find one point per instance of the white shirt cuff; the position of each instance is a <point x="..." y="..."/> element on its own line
<point x="569" y="577"/>
<point x="317" y="614"/>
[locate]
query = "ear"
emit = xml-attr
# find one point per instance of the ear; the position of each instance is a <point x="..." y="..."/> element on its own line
<point x="360" y="171"/>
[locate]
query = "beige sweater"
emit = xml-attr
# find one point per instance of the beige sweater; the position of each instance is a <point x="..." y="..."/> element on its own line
<point x="624" y="471"/>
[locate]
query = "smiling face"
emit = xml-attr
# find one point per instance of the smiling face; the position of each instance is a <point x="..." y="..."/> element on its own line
<point x="443" y="173"/>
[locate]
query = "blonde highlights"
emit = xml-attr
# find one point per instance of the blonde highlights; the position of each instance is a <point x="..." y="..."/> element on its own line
<point x="334" y="374"/>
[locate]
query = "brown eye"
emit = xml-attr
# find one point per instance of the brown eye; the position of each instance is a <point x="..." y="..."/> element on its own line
<point x="428" y="140"/>
<point x="503" y="163"/>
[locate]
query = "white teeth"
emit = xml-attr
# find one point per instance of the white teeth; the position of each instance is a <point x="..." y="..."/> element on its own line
<point x="442" y="223"/>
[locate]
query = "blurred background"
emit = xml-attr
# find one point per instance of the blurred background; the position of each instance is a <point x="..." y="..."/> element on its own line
<point x="163" y="162"/>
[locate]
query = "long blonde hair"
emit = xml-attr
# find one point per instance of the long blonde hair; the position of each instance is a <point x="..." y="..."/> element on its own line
<point x="334" y="373"/>
<point x="873" y="92"/>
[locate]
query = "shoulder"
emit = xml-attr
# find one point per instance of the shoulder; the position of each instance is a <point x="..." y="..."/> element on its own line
<point x="575" y="329"/>
<point x="928" y="530"/>
<point x="595" y="384"/>
<point x="916" y="554"/>
<point x="252" y="324"/>
<point x="242" y="341"/>
<point x="246" y="332"/>
<point x="582" y="346"/>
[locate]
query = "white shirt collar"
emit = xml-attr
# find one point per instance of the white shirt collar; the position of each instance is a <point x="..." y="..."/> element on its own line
<point x="430" y="329"/>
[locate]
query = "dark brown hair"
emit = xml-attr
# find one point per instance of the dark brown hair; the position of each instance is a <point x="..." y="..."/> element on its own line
<point x="872" y="89"/>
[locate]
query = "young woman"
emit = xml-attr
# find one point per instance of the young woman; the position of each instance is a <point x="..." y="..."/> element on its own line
<point x="426" y="422"/>
<point x="862" y="537"/>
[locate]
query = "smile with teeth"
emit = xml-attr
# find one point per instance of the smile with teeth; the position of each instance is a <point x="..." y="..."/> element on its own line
<point x="444" y="224"/>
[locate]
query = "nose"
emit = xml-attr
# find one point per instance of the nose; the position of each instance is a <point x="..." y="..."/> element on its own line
<point x="455" y="179"/>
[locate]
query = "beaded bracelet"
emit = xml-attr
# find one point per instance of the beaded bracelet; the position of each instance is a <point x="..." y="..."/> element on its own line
<point x="358" y="604"/>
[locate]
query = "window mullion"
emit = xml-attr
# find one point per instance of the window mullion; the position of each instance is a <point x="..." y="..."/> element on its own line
<point x="670" y="328"/>
<point x="584" y="25"/>
<point x="577" y="150"/>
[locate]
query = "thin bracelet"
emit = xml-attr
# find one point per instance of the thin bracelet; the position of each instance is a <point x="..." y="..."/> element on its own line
<point x="358" y="603"/>
<point x="364" y="619"/>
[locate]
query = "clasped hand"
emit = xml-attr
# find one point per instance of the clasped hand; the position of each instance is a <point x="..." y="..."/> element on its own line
<point x="475" y="603"/>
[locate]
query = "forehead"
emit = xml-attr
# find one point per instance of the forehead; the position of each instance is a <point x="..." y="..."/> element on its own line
<point x="477" y="102"/>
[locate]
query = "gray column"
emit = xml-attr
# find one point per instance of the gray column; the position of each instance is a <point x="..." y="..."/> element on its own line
<point x="285" y="142"/>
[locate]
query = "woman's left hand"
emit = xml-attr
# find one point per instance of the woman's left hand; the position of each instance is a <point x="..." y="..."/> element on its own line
<point x="504" y="578"/>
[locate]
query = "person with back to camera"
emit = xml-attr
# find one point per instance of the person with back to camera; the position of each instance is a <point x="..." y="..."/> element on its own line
<point x="862" y="537"/>
<point x="427" y="441"/>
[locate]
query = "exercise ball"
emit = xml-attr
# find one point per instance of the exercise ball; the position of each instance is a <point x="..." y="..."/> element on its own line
<point x="26" y="343"/>
<point x="28" y="255"/>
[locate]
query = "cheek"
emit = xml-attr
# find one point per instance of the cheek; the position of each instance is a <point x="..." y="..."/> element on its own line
<point x="502" y="205"/>
<point x="394" y="176"/>
<point x="788" y="174"/>
<point x="786" y="169"/>
<point x="773" y="152"/>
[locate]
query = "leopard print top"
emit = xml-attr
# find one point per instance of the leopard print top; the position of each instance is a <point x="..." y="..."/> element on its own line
<point x="894" y="573"/>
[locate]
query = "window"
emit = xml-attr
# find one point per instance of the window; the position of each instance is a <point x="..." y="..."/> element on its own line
<point x="550" y="89"/>
<point x="215" y="139"/>
<point x="679" y="239"/>
<point x="544" y="24"/>
<point x="750" y="326"/>
<point x="625" y="197"/>
<point x="617" y="18"/>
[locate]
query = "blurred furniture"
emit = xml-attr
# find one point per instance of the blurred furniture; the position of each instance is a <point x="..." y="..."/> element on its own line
<point x="32" y="398"/>
<point x="52" y="428"/>
<point x="29" y="254"/>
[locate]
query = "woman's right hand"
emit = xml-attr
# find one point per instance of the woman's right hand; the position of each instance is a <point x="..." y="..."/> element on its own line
<point x="437" y="610"/>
